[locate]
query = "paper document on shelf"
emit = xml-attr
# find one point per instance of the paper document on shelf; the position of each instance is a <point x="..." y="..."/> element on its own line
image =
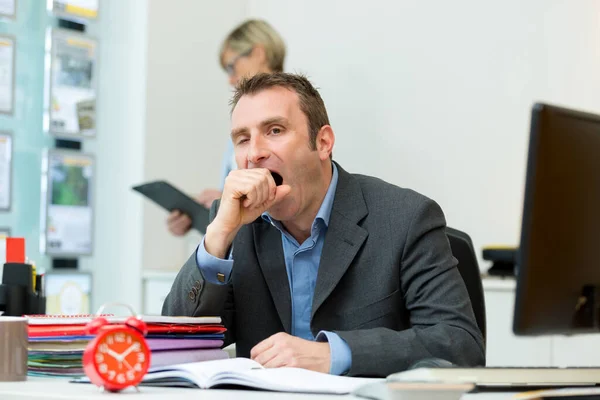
<point x="7" y="8"/>
<point x="7" y="73"/>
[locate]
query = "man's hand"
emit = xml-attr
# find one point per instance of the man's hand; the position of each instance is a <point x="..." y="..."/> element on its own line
<point x="283" y="350"/>
<point x="246" y="195"/>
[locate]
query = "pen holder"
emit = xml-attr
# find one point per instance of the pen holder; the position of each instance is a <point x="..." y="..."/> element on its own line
<point x="18" y="274"/>
<point x="16" y="291"/>
<point x="36" y="304"/>
<point x="16" y="301"/>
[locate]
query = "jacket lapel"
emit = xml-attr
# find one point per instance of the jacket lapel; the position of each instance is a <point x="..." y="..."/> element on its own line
<point x="267" y="241"/>
<point x="344" y="236"/>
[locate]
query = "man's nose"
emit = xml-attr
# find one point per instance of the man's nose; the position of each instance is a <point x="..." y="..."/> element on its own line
<point x="258" y="151"/>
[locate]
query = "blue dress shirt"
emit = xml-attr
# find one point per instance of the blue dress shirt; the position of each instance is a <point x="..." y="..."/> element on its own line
<point x="302" y="264"/>
<point x="228" y="163"/>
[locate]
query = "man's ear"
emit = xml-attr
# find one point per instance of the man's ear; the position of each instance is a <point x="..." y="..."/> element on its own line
<point x="325" y="142"/>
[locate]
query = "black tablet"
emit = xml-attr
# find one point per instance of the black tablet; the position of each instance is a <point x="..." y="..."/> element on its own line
<point x="170" y="198"/>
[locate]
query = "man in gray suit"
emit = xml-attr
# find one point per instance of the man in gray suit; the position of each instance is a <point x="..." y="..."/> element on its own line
<point x="329" y="271"/>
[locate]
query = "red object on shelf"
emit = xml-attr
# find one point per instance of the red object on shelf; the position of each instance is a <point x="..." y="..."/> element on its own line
<point x="15" y="250"/>
<point x="80" y="329"/>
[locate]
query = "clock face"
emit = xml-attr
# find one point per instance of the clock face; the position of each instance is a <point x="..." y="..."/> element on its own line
<point x="120" y="358"/>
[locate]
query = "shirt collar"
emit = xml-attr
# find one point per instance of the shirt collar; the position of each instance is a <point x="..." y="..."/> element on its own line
<point x="324" y="212"/>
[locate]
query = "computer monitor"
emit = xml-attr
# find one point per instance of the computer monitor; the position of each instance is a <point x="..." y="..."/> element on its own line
<point x="68" y="292"/>
<point x="558" y="264"/>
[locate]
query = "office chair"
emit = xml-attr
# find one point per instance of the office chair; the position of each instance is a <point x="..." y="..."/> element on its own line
<point x="463" y="251"/>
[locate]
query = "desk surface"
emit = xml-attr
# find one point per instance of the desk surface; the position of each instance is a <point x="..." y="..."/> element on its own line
<point x="61" y="389"/>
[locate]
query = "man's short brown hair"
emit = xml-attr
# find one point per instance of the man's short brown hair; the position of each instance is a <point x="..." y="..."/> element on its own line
<point x="310" y="100"/>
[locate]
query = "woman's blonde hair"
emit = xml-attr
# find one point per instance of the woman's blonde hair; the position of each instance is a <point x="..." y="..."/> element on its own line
<point x="256" y="32"/>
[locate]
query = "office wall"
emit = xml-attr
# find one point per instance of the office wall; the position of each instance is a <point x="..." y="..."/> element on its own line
<point x="436" y="95"/>
<point x="187" y="119"/>
<point x="117" y="259"/>
<point x="429" y="95"/>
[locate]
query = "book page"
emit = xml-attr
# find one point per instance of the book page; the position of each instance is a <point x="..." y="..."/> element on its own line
<point x="201" y="372"/>
<point x="294" y="380"/>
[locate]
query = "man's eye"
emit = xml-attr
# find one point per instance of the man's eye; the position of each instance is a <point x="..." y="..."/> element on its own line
<point x="276" y="131"/>
<point x="242" y="141"/>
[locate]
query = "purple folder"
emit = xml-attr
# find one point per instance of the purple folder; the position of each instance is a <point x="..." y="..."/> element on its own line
<point x="171" y="357"/>
<point x="156" y="344"/>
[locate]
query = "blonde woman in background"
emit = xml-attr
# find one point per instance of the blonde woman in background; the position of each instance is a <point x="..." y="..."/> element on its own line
<point x="251" y="48"/>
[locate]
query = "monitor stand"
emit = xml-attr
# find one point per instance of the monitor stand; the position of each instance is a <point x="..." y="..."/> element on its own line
<point x="587" y="314"/>
<point x="502" y="269"/>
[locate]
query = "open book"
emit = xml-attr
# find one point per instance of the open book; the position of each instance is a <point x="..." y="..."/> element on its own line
<point x="244" y="372"/>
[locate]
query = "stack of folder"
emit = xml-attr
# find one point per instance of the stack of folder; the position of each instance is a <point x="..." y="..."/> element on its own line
<point x="57" y="342"/>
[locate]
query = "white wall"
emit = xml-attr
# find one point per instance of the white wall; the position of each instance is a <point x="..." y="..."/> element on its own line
<point x="436" y="95"/>
<point x="117" y="259"/>
<point x="162" y="112"/>
<point x="429" y="95"/>
<point x="187" y="119"/>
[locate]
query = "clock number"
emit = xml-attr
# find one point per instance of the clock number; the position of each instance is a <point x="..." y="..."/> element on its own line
<point x="99" y="358"/>
<point x="141" y="357"/>
<point x="111" y="375"/>
<point x="129" y="339"/>
<point x="130" y="375"/>
<point x="103" y="368"/>
<point x="121" y="378"/>
<point x="103" y="348"/>
<point x="110" y="340"/>
<point x="138" y="367"/>
<point x="120" y="338"/>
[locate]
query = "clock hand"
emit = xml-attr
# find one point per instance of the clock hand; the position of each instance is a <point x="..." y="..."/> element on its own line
<point x="114" y="354"/>
<point x="127" y="364"/>
<point x="129" y="350"/>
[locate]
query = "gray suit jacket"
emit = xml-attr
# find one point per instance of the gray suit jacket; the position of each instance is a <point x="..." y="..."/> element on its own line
<point x="387" y="283"/>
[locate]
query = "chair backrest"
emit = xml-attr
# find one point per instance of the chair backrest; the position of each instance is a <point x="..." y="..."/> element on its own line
<point x="464" y="252"/>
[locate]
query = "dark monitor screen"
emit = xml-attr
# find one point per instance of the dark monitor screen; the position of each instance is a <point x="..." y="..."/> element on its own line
<point x="558" y="265"/>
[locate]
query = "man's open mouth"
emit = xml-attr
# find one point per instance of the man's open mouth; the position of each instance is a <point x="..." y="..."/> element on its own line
<point x="277" y="178"/>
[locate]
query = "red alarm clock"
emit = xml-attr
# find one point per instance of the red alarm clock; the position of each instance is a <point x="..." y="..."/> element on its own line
<point x="118" y="356"/>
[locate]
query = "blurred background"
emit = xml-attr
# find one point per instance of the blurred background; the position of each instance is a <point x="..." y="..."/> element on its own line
<point x="431" y="95"/>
